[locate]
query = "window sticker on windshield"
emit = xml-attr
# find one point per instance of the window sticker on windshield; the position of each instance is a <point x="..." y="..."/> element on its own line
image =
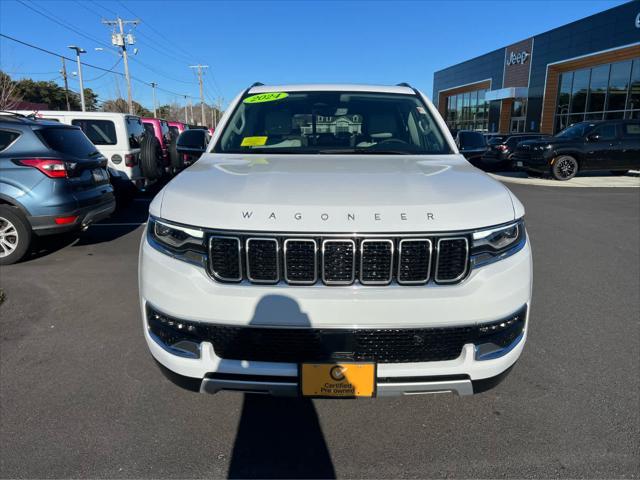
<point x="266" y="97"/>
<point x="253" y="141"/>
<point x="421" y="110"/>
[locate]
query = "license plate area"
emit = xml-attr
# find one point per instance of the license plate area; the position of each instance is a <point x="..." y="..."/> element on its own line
<point x="337" y="380"/>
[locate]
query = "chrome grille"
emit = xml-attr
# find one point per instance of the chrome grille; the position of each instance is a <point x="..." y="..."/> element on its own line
<point x="224" y="258"/>
<point x="301" y="261"/>
<point x="414" y="264"/>
<point x="452" y="262"/>
<point x="262" y="260"/>
<point x="376" y="262"/>
<point x="339" y="260"/>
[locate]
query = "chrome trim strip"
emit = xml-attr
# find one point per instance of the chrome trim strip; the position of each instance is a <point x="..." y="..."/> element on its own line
<point x="262" y="239"/>
<point x="202" y="262"/>
<point x="353" y="267"/>
<point x="288" y="389"/>
<point x="215" y="385"/>
<point x="415" y="282"/>
<point x="376" y="282"/>
<point x="466" y="265"/>
<point x="501" y="352"/>
<point x="220" y="277"/>
<point x="460" y="387"/>
<point x="274" y="233"/>
<point x="315" y="262"/>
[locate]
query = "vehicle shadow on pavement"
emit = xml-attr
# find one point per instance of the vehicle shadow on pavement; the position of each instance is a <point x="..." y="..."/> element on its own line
<point x="279" y="437"/>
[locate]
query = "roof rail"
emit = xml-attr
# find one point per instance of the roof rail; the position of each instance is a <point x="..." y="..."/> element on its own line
<point x="18" y="116"/>
<point x="256" y="84"/>
<point x="403" y="84"/>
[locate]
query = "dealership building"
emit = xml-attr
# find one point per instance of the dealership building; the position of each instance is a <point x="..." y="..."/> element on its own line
<point x="586" y="70"/>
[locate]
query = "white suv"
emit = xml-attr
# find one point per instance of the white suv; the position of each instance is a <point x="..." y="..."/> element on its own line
<point x="332" y="242"/>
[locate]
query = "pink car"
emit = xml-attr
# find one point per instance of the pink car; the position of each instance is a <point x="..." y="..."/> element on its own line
<point x="177" y="127"/>
<point x="160" y="129"/>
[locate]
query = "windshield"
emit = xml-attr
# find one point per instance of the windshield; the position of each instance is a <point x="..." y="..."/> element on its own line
<point x="332" y="122"/>
<point x="577" y="130"/>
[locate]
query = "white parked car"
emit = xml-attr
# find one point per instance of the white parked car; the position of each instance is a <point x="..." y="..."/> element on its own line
<point x="118" y="136"/>
<point x="332" y="242"/>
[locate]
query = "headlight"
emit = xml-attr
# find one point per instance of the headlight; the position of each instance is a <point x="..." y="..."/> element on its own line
<point x="178" y="241"/>
<point x="497" y="243"/>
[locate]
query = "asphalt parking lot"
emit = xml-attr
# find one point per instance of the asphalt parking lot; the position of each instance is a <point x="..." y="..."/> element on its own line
<point x="81" y="397"/>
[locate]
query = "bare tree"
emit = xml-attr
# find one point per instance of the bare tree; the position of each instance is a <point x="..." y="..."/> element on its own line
<point x="9" y="97"/>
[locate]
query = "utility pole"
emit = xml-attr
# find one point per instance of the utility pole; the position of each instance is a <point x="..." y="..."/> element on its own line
<point x="191" y="109"/>
<point x="186" y="120"/>
<point x="153" y="86"/>
<point x="66" y="84"/>
<point x="121" y="40"/>
<point x="78" y="52"/>
<point x="200" y="67"/>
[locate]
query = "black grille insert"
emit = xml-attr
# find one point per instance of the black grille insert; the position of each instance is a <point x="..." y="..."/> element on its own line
<point x="300" y="261"/>
<point x="339" y="257"/>
<point x="376" y="262"/>
<point x="453" y="257"/>
<point x="414" y="261"/>
<point x="262" y="260"/>
<point x="224" y="258"/>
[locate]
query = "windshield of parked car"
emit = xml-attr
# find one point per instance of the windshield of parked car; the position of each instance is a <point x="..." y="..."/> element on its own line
<point x="470" y="140"/>
<point x="332" y="123"/>
<point x="577" y="130"/>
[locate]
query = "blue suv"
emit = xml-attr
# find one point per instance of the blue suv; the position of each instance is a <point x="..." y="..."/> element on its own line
<point x="52" y="180"/>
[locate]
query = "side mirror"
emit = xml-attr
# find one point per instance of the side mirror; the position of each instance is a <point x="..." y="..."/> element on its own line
<point x="593" y="137"/>
<point x="193" y="142"/>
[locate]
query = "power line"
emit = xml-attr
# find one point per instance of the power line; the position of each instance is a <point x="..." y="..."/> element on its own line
<point x="87" y="64"/>
<point x="62" y="24"/>
<point x="105" y="73"/>
<point x="160" y="35"/>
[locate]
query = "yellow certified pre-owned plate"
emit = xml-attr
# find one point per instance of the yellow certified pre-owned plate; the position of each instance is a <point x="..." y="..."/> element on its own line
<point x="338" y="379"/>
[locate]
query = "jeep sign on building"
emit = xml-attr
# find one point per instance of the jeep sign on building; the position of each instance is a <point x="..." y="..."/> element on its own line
<point x="586" y="70"/>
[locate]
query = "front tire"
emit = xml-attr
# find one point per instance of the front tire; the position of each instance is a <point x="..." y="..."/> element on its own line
<point x="564" y="168"/>
<point x="15" y="235"/>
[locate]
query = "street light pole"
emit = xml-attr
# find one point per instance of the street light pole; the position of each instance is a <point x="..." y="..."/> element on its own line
<point x="78" y="52"/>
<point x="153" y="86"/>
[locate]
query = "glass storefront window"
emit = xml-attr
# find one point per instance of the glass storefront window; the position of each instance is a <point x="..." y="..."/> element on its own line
<point x="608" y="91"/>
<point x="579" y="91"/>
<point x="618" y="85"/>
<point x="564" y="93"/>
<point x="467" y="111"/>
<point x="598" y="88"/>
<point x="633" y="102"/>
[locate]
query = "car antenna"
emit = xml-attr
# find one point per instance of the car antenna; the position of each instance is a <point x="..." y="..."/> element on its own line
<point x="256" y="84"/>
<point x="403" y="84"/>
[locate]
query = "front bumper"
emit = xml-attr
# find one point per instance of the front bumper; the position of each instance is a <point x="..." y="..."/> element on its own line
<point x="186" y="291"/>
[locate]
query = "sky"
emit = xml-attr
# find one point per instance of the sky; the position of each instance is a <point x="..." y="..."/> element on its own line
<point x="380" y="42"/>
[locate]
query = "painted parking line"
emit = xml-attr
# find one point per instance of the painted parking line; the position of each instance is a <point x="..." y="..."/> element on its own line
<point x="118" y="224"/>
<point x="631" y="180"/>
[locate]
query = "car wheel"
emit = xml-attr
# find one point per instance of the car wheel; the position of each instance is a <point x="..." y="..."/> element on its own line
<point x="619" y="172"/>
<point x="564" y="168"/>
<point x="15" y="235"/>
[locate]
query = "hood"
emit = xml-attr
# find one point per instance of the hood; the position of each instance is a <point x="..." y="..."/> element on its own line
<point x="334" y="193"/>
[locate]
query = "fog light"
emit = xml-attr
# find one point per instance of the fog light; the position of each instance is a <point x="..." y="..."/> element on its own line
<point x="179" y="337"/>
<point x="499" y="338"/>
